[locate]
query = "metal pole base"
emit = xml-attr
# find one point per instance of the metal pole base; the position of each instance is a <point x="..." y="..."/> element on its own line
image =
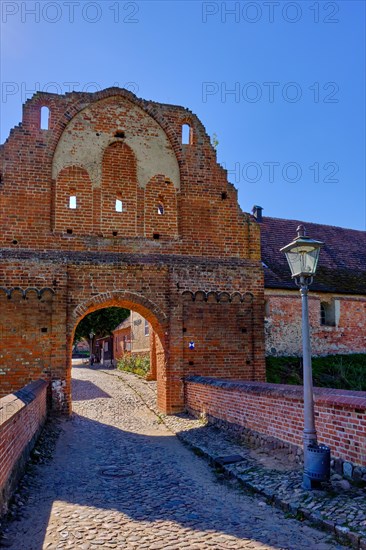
<point x="308" y="483"/>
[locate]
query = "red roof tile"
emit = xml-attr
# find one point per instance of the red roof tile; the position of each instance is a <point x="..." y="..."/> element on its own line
<point x="342" y="262"/>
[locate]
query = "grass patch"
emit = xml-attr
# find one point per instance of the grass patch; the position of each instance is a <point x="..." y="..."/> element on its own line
<point x="137" y="364"/>
<point x="346" y="372"/>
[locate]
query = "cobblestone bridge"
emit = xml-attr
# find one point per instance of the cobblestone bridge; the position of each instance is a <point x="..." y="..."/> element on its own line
<point x="120" y="479"/>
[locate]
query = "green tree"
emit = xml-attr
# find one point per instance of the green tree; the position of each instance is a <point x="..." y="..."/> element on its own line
<point x="100" y="322"/>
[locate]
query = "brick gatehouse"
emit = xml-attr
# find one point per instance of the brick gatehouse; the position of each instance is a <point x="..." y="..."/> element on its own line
<point x="107" y="199"/>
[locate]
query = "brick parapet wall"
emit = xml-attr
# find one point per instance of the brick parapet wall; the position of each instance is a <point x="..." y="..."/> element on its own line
<point x="277" y="411"/>
<point x="22" y="415"/>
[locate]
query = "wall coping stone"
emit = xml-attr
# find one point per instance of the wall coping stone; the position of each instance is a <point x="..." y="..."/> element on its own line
<point x="11" y="404"/>
<point x="327" y="396"/>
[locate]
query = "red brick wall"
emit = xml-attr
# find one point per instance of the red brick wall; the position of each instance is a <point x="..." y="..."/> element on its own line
<point x="277" y="411"/>
<point x="74" y="181"/>
<point x="101" y="147"/>
<point x="81" y="138"/>
<point x="283" y="324"/>
<point x="22" y="415"/>
<point x="119" y="181"/>
<point x="161" y="192"/>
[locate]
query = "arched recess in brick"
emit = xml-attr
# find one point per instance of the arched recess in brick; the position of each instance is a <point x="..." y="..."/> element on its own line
<point x="119" y="191"/>
<point x="158" y="354"/>
<point x="73" y="201"/>
<point x="161" y="217"/>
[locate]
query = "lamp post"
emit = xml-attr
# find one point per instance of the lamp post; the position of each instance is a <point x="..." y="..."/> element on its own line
<point x="302" y="255"/>
<point x="91" y="336"/>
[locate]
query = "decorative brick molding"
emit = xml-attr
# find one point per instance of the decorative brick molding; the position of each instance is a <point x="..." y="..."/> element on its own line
<point x="276" y="411"/>
<point x="9" y="292"/>
<point x="216" y="296"/>
<point x="22" y="415"/>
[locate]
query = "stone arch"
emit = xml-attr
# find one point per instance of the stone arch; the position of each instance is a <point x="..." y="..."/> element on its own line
<point x="157" y="319"/>
<point x="122" y="298"/>
<point x="77" y="101"/>
<point x="101" y="120"/>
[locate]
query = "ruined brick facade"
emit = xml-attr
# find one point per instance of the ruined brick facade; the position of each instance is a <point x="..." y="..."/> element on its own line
<point x="107" y="207"/>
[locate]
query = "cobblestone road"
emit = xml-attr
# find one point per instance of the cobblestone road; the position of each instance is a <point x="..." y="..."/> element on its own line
<point x="120" y="479"/>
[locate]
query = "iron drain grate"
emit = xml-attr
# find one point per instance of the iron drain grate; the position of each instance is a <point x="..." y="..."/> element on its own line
<point x="115" y="472"/>
<point x="230" y="459"/>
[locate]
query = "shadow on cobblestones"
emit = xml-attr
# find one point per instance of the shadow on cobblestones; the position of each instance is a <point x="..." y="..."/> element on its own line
<point x="120" y="479"/>
<point x="83" y="389"/>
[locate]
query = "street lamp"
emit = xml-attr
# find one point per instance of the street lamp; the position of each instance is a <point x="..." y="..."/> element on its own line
<point x="302" y="256"/>
<point x="91" y="336"/>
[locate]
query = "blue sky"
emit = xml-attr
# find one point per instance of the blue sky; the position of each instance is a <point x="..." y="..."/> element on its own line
<point x="281" y="84"/>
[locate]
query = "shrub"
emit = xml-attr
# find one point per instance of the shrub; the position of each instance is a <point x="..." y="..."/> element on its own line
<point x="137" y="364"/>
<point x="346" y="372"/>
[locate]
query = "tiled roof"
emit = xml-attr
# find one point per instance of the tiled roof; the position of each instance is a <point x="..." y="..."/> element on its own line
<point x="342" y="262"/>
<point x="125" y="324"/>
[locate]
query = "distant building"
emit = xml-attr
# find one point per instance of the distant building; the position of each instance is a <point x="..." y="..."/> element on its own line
<point x="81" y="348"/>
<point x="337" y="297"/>
<point x="104" y="350"/>
<point x="132" y="336"/>
<point x="122" y="338"/>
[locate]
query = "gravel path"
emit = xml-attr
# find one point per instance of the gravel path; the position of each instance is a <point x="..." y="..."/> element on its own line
<point x="120" y="479"/>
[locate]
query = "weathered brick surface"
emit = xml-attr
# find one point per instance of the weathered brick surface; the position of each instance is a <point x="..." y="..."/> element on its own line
<point x="283" y="324"/>
<point x="339" y="286"/>
<point x="189" y="271"/>
<point x="22" y="414"/>
<point x="277" y="411"/>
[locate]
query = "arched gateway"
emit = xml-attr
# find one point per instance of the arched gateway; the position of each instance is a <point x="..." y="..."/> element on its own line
<point x="113" y="204"/>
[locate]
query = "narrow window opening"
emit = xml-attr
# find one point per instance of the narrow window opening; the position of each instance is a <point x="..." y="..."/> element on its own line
<point x="119" y="205"/>
<point x="146" y="328"/>
<point x="45" y="117"/>
<point x="266" y="309"/>
<point x="186" y="134"/>
<point x="72" y="202"/>
<point x="322" y="314"/>
<point x="328" y="313"/>
<point x="223" y="195"/>
<point x="161" y="210"/>
<point x="44" y="329"/>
